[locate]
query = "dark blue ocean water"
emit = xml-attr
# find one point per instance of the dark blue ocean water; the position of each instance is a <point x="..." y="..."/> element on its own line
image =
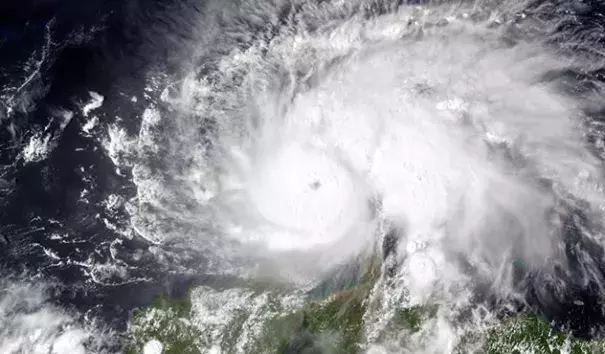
<point x="105" y="46"/>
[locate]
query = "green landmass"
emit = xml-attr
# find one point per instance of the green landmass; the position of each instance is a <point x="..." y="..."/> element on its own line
<point x="167" y="321"/>
<point x="330" y="324"/>
<point x="535" y="335"/>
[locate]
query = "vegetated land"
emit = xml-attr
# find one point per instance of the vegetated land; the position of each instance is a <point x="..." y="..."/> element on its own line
<point x="329" y="325"/>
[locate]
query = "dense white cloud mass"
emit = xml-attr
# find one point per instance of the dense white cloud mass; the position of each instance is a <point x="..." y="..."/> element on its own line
<point x="309" y="130"/>
<point x="31" y="323"/>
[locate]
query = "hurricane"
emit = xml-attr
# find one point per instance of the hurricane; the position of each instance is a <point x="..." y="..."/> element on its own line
<point x="430" y="171"/>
